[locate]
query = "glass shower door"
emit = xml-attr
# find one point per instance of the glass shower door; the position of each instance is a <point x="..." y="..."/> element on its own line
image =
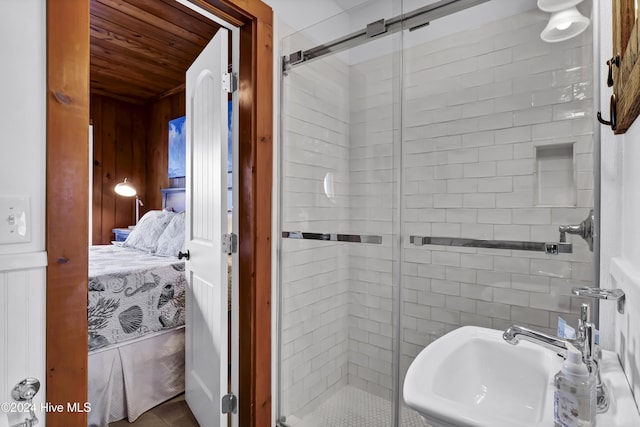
<point x="497" y="156"/>
<point x="424" y="177"/>
<point x="339" y="229"/>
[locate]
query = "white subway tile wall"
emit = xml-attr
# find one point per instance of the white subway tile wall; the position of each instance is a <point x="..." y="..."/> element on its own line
<point x="315" y="275"/>
<point x="475" y="107"/>
<point x="373" y="189"/>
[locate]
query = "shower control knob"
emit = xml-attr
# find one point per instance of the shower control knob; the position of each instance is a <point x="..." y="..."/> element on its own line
<point x="585" y="230"/>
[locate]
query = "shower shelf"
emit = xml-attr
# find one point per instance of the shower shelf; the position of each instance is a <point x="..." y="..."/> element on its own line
<point x="552" y="248"/>
<point x="334" y="237"/>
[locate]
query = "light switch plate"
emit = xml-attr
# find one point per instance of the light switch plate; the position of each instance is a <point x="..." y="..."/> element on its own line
<point x="15" y="219"/>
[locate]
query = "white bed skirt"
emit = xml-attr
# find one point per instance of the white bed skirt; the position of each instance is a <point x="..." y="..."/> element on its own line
<point x="127" y="380"/>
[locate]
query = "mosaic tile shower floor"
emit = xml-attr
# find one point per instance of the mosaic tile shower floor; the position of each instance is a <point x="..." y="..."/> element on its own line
<point x="352" y="407"/>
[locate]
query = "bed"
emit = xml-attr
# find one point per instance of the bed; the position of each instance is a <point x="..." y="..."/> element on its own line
<point x="136" y="315"/>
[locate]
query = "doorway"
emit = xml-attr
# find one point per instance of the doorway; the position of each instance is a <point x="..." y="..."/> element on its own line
<point x="67" y="118"/>
<point x="137" y="310"/>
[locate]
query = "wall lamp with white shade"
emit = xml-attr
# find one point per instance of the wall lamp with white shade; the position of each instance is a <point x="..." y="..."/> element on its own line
<point x="565" y="21"/>
<point x="126" y="189"/>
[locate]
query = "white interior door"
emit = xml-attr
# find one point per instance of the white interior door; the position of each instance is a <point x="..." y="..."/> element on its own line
<point x="206" y="221"/>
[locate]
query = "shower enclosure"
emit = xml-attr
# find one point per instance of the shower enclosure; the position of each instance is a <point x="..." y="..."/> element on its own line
<point x="429" y="153"/>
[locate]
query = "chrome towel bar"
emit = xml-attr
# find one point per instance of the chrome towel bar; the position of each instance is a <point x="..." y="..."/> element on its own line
<point x="553" y="248"/>
<point x="334" y="237"/>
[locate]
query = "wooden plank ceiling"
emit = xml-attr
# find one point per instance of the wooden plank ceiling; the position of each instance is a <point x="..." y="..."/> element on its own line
<point x="141" y="49"/>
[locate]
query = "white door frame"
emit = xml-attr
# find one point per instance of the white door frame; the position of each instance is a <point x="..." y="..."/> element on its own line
<point x="235" y="69"/>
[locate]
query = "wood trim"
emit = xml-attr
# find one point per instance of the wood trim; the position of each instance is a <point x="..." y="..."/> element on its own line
<point x="67" y="119"/>
<point x="262" y="222"/>
<point x="627" y="75"/>
<point x="67" y="236"/>
<point x="246" y="231"/>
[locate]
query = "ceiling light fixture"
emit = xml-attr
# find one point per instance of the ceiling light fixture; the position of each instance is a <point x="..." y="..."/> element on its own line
<point x="565" y="21"/>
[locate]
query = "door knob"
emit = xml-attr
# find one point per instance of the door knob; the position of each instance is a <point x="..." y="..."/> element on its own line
<point x="24" y="391"/>
<point x="185" y="255"/>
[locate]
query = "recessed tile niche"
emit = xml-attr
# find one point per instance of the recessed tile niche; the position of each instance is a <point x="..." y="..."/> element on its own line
<point x="555" y="175"/>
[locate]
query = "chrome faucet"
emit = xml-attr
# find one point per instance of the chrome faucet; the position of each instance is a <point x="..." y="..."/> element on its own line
<point x="515" y="333"/>
<point x="584" y="342"/>
<point x="595" y="353"/>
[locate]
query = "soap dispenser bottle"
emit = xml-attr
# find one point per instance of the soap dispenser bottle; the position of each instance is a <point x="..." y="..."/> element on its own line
<point x="575" y="393"/>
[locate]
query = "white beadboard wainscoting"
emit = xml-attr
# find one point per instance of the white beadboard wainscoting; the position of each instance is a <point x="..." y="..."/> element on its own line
<point x="626" y="276"/>
<point x="22" y="325"/>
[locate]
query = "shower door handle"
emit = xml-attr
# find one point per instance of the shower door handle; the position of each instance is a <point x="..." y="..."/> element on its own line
<point x="333" y="237"/>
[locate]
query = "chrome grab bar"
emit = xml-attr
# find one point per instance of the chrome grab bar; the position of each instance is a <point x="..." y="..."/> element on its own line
<point x="333" y="237"/>
<point x="552" y="248"/>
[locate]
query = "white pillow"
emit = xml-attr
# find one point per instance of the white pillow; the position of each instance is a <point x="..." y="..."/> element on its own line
<point x="145" y="236"/>
<point x="171" y="241"/>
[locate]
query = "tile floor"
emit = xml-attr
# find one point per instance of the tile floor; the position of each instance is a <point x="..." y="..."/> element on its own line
<point x="173" y="413"/>
<point x="352" y="407"/>
<point x="349" y="407"/>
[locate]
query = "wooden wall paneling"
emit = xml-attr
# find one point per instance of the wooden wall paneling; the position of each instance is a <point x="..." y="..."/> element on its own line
<point x="120" y="152"/>
<point x="123" y="165"/>
<point x="157" y="176"/>
<point x="107" y="129"/>
<point x="159" y="113"/>
<point x="139" y="145"/>
<point x="96" y="220"/>
<point x="66" y="185"/>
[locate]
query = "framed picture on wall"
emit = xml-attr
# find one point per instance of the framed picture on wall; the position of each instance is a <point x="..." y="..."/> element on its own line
<point x="177" y="148"/>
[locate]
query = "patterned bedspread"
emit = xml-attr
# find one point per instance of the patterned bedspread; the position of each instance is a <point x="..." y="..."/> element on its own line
<point x="131" y="294"/>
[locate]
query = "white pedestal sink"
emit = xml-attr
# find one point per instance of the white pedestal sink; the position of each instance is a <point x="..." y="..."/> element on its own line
<point x="471" y="377"/>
